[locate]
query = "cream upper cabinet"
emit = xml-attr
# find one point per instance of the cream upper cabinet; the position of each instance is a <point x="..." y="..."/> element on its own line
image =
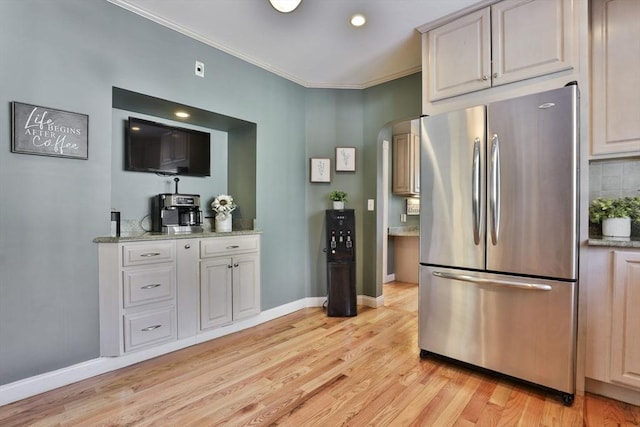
<point x="460" y="56"/>
<point x="406" y="164"/>
<point x="509" y="41"/>
<point x="615" y="105"/>
<point x="625" y="320"/>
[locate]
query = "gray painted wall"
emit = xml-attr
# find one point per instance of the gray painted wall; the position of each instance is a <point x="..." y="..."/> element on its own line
<point x="68" y="55"/>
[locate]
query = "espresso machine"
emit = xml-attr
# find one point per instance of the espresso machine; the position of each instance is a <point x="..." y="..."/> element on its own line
<point x="175" y="213"/>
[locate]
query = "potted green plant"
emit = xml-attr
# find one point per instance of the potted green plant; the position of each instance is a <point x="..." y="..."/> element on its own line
<point x="615" y="215"/>
<point x="338" y="197"/>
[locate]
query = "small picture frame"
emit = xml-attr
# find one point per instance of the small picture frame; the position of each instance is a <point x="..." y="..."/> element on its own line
<point x="345" y="159"/>
<point x="319" y="169"/>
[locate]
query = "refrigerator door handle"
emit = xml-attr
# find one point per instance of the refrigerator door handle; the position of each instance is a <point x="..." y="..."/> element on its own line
<point x="475" y="191"/>
<point x="493" y="282"/>
<point x="495" y="189"/>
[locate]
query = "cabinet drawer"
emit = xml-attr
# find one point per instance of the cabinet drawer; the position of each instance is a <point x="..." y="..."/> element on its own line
<point x="149" y="327"/>
<point x="228" y="245"/>
<point x="147" y="285"/>
<point x="148" y="253"/>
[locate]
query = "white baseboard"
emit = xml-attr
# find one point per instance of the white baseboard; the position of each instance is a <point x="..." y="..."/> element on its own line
<point x="613" y="391"/>
<point x="32" y="386"/>
<point x="371" y="301"/>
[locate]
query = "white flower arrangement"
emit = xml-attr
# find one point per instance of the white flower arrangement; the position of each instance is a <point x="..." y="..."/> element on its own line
<point x="223" y="206"/>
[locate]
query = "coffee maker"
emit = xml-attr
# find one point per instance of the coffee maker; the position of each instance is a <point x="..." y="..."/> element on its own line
<point x="175" y="213"/>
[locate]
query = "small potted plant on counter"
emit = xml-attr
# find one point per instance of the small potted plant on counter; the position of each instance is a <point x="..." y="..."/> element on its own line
<point x="338" y="197"/>
<point x="615" y="215"/>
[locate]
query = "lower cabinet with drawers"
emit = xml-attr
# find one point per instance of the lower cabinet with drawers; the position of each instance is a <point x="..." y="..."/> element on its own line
<point x="151" y="292"/>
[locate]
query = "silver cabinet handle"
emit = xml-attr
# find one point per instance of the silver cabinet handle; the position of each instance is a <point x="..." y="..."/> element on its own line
<point x="475" y="191"/>
<point x="187" y="246"/>
<point x="493" y="282"/>
<point x="235" y="265"/>
<point x="495" y="189"/>
<point x="150" y="254"/>
<point x="233" y="247"/>
<point x="150" y="328"/>
<point x="151" y="286"/>
<point x="229" y="266"/>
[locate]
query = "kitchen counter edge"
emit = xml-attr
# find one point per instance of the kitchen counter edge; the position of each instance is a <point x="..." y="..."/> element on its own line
<point x="406" y="231"/>
<point x="162" y="236"/>
<point x="622" y="242"/>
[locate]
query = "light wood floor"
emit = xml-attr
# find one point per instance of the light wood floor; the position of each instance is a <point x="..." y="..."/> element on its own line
<point x="309" y="369"/>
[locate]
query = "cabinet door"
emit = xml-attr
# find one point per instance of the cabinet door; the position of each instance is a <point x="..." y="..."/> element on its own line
<point x="215" y="292"/>
<point x="625" y="327"/>
<point x="246" y="286"/>
<point x="460" y="56"/>
<point x="406" y="170"/>
<point x="530" y="38"/>
<point x="616" y="77"/>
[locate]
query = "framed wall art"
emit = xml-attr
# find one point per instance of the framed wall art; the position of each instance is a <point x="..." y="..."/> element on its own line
<point x="345" y="159"/>
<point x="49" y="132"/>
<point x="320" y="170"/>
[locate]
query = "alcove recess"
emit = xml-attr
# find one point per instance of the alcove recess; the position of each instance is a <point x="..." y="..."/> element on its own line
<point x="241" y="134"/>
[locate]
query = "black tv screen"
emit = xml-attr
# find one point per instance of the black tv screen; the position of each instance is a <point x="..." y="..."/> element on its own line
<point x="169" y="150"/>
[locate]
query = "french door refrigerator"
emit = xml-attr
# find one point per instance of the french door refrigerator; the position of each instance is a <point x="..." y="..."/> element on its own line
<point x="499" y="237"/>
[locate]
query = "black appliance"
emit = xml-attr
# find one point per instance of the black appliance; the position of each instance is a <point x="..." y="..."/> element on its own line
<point x="159" y="148"/>
<point x="175" y="213"/>
<point x="341" y="263"/>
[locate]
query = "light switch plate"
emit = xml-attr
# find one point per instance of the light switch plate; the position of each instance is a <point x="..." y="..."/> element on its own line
<point x="370" y="205"/>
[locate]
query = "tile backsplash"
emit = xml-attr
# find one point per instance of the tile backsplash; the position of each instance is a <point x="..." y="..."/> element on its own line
<point x="614" y="178"/>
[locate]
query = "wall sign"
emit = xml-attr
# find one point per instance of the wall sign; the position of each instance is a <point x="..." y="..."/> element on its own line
<point x="49" y="132"/>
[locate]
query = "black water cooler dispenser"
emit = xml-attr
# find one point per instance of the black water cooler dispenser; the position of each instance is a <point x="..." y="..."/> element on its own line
<point x="341" y="263"/>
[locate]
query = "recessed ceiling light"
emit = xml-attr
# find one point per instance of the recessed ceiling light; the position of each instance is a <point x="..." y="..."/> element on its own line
<point x="182" y="114"/>
<point x="285" y="6"/>
<point x="358" y="20"/>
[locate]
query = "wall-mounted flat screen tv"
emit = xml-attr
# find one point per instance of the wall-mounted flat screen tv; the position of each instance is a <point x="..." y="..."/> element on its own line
<point x="168" y="150"/>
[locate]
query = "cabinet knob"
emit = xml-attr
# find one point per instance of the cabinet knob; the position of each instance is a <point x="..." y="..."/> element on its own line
<point x="187" y="246"/>
<point x="229" y="266"/>
<point x="485" y="78"/>
<point x="495" y="75"/>
<point x="235" y="265"/>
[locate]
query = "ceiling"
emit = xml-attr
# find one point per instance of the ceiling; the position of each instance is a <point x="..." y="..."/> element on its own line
<point x="314" y="46"/>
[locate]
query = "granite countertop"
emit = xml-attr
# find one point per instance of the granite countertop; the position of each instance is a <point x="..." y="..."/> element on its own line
<point x="620" y="242"/>
<point x="407" y="231"/>
<point x="163" y="236"/>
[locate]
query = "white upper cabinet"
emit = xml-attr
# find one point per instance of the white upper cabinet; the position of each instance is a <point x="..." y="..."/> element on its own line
<point x="615" y="105"/>
<point x="460" y="56"/>
<point x="530" y="38"/>
<point x="509" y="41"/>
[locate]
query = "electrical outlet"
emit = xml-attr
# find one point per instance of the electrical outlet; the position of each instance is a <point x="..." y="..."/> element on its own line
<point x="403" y="217"/>
<point x="199" y="69"/>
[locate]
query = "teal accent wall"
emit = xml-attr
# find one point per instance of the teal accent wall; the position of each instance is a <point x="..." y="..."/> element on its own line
<point x="384" y="105"/>
<point x="69" y="55"/>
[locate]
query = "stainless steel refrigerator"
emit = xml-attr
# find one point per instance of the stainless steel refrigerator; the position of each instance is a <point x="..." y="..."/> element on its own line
<point x="499" y="237"/>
